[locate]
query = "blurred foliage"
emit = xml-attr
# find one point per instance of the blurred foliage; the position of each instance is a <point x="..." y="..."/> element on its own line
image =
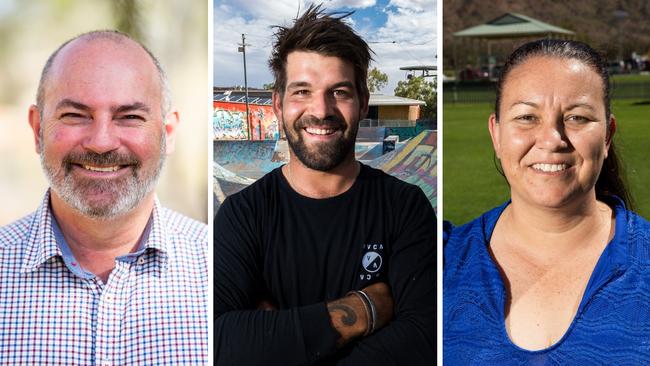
<point x="127" y="17"/>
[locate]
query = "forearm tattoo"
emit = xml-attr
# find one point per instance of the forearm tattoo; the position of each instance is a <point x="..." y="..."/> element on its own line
<point x="348" y="317"/>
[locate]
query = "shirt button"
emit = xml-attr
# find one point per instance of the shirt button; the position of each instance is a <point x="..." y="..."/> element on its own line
<point x="141" y="260"/>
<point x="109" y="298"/>
<point x="106" y="363"/>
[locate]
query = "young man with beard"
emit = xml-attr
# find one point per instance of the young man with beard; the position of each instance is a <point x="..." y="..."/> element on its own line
<point x="324" y="260"/>
<point x="101" y="273"/>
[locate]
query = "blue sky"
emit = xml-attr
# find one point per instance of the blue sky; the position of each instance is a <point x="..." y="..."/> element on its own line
<point x="401" y="32"/>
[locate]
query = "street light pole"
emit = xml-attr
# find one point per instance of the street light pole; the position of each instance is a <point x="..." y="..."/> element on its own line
<point x="242" y="49"/>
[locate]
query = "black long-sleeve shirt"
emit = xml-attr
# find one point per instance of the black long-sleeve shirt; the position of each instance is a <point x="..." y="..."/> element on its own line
<point x="272" y="243"/>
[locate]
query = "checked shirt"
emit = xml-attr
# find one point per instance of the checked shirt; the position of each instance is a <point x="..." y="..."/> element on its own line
<point x="153" y="310"/>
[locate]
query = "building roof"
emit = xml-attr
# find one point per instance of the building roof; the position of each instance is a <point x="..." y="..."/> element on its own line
<point x="512" y="25"/>
<point x="380" y="99"/>
<point x="420" y="68"/>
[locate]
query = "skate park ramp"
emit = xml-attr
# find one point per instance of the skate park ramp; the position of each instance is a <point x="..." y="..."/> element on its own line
<point x="415" y="162"/>
<point x="239" y="163"/>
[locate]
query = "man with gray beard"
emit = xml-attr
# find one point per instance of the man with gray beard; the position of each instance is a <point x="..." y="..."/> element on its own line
<point x="101" y="273"/>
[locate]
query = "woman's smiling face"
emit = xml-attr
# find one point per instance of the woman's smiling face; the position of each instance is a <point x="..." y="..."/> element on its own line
<point x="552" y="135"/>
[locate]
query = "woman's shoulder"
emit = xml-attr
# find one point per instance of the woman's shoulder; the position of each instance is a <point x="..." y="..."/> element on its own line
<point x="471" y="239"/>
<point x="481" y="226"/>
<point x="638" y="236"/>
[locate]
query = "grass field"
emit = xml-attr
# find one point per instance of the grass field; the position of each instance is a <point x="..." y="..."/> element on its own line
<point x="472" y="185"/>
<point x="629" y="78"/>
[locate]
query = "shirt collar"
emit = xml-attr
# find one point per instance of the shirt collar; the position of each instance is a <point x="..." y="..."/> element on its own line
<point x="42" y="238"/>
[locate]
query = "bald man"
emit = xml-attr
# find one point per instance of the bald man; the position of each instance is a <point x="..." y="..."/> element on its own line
<point x="101" y="273"/>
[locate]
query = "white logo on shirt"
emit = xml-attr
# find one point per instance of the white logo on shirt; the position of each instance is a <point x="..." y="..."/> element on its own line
<point x="371" y="262"/>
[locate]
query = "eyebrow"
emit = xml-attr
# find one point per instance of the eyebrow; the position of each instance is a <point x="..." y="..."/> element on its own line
<point x="340" y="84"/>
<point x="298" y="84"/>
<point x="343" y="84"/>
<point x="71" y="103"/>
<point x="137" y="106"/>
<point x="580" y="105"/>
<point x="531" y="104"/>
<point x="570" y="107"/>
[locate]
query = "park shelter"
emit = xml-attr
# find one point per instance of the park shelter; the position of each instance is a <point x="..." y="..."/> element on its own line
<point x="510" y="26"/>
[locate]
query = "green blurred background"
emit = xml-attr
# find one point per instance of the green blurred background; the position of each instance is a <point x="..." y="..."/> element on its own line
<point x="176" y="31"/>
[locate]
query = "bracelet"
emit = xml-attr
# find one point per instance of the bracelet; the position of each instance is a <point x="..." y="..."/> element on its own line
<point x="366" y="308"/>
<point x="373" y="312"/>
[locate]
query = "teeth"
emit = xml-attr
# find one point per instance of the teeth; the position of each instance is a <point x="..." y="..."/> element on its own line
<point x="549" y="168"/>
<point x="319" y="131"/>
<point x="102" y="169"/>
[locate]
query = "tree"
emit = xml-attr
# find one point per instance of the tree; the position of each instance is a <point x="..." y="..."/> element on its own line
<point x="268" y="86"/>
<point x="420" y="89"/>
<point x="376" y="80"/>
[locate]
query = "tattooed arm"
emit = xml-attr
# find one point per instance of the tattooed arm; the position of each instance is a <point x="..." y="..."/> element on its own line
<point x="349" y="317"/>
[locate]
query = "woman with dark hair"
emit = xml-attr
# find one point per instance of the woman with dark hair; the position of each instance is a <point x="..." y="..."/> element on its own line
<point x="560" y="274"/>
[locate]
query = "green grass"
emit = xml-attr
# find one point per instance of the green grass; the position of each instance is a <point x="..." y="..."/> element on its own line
<point x="629" y="78"/>
<point x="472" y="184"/>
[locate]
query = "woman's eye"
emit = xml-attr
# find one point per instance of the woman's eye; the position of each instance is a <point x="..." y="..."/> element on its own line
<point x="579" y="119"/>
<point x="527" y="118"/>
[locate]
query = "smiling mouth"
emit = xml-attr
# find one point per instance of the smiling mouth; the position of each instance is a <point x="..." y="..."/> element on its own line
<point x="106" y="169"/>
<point x="550" y="168"/>
<point x="320" y="131"/>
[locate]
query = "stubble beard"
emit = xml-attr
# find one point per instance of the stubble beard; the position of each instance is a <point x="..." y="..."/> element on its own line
<point x="323" y="156"/>
<point x="126" y="192"/>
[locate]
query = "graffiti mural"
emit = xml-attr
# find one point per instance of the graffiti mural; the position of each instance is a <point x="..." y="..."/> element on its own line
<point x="229" y="122"/>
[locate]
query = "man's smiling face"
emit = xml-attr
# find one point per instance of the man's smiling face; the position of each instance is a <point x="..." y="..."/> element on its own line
<point x="320" y="109"/>
<point x="101" y="134"/>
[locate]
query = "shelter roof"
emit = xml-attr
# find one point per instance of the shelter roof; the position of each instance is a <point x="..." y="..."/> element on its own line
<point x="512" y="25"/>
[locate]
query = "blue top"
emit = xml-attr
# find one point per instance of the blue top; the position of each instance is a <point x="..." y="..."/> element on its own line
<point x="611" y="326"/>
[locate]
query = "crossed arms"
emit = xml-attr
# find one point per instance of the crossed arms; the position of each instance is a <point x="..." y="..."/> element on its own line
<point x="251" y="331"/>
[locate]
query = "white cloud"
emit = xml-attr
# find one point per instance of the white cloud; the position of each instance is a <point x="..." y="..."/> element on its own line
<point x="417" y="5"/>
<point x="354" y="4"/>
<point x="408" y="38"/>
<point x="410" y="24"/>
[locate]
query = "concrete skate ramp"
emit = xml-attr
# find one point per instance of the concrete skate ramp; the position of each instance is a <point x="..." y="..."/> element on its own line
<point x="414" y="162"/>
<point x="248" y="159"/>
<point x="239" y="163"/>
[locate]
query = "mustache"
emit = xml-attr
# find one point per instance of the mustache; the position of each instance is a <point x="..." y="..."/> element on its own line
<point x="104" y="159"/>
<point x="311" y="121"/>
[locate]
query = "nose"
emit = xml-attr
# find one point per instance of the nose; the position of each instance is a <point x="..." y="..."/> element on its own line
<point x="102" y="135"/>
<point x="322" y="105"/>
<point x="551" y="135"/>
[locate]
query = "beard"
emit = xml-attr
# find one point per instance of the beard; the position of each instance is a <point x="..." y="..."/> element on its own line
<point x="121" y="194"/>
<point x="322" y="156"/>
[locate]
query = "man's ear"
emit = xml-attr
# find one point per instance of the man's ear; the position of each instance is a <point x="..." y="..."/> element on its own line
<point x="493" y="126"/>
<point x="365" y="100"/>
<point x="34" y="119"/>
<point x="277" y="108"/>
<point x="170" y="124"/>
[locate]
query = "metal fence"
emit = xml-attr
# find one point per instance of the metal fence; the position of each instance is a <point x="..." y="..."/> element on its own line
<point x="484" y="92"/>
<point x="386" y="123"/>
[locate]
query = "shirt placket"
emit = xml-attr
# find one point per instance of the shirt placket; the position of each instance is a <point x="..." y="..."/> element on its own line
<point x="110" y="315"/>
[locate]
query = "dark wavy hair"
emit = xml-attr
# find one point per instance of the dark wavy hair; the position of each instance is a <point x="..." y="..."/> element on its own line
<point x="325" y="34"/>
<point x="611" y="180"/>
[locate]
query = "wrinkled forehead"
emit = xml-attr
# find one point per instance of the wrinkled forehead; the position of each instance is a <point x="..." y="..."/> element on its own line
<point x="119" y="68"/>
